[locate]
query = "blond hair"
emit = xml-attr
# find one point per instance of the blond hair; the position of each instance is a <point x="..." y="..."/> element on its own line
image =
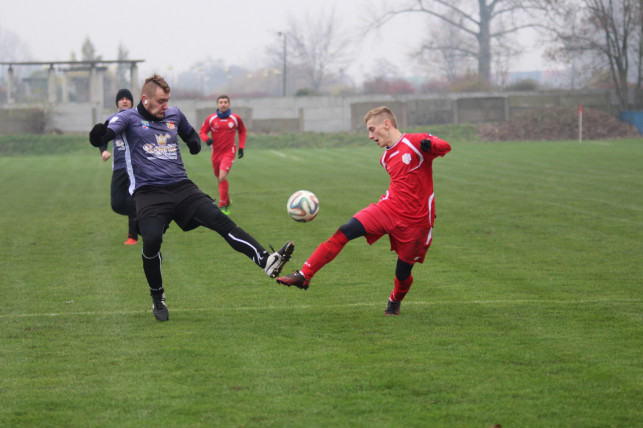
<point x="153" y="82"/>
<point x="382" y="111"/>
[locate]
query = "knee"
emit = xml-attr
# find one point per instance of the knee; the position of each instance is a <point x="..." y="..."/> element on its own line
<point x="210" y="216"/>
<point x="152" y="240"/>
<point x="119" y="205"/>
<point x="151" y="244"/>
<point x="403" y="270"/>
<point x="352" y="229"/>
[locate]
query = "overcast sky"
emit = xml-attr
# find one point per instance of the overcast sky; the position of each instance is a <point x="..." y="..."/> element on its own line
<point x="173" y="35"/>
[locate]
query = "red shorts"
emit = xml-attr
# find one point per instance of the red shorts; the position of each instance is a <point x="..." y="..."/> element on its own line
<point x="409" y="242"/>
<point x="223" y="162"/>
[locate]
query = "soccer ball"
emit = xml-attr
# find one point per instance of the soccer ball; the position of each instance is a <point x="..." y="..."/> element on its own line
<point x="303" y="206"/>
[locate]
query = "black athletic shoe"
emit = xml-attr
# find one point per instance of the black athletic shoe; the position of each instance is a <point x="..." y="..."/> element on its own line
<point x="393" y="308"/>
<point x="159" y="308"/>
<point x="296" y="278"/>
<point x="278" y="259"/>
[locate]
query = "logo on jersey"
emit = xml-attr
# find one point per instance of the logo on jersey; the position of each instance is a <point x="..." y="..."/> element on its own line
<point x="162" y="149"/>
<point x="230" y="125"/>
<point x="170" y="125"/>
<point x="161" y="140"/>
<point x="406" y="158"/>
<point x="145" y="124"/>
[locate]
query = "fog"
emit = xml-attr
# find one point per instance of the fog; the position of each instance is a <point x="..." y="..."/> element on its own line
<point x="175" y="35"/>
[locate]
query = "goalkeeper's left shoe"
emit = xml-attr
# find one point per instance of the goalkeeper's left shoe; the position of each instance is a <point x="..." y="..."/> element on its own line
<point x="278" y="259"/>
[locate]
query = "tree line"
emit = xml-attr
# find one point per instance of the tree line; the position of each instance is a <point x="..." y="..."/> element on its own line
<point x="470" y="41"/>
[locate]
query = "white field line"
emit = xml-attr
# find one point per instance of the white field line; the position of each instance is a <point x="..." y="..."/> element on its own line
<point x="346" y="305"/>
<point x="283" y="155"/>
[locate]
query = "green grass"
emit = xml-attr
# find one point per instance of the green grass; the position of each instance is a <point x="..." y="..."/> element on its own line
<point x="527" y="312"/>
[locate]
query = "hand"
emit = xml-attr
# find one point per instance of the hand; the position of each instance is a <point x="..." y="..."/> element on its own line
<point x="208" y="141"/>
<point x="96" y="134"/>
<point x="105" y="156"/>
<point x="195" y="148"/>
<point x="425" y="145"/>
<point x="240" y="153"/>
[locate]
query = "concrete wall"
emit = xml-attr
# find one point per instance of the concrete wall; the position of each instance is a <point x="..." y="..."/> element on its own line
<point x="596" y="100"/>
<point x="77" y="117"/>
<point x="359" y="109"/>
<point x="27" y="120"/>
<point x="336" y="114"/>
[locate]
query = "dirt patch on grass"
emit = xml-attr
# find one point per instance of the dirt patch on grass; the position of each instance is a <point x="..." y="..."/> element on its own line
<point x="554" y="124"/>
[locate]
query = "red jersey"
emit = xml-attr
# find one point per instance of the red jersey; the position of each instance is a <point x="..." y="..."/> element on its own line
<point x="410" y="197"/>
<point x="223" y="133"/>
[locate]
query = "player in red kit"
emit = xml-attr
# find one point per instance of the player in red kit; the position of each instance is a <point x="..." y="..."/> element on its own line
<point x="406" y="211"/>
<point x="222" y="127"/>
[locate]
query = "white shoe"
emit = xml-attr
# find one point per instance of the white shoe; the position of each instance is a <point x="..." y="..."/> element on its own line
<point x="278" y="259"/>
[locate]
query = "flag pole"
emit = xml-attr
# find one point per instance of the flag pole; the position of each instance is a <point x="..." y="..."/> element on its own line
<point x="580" y="122"/>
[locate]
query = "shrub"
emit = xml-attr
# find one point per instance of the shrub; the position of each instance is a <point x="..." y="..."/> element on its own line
<point x="524" y="85"/>
<point x="557" y="124"/>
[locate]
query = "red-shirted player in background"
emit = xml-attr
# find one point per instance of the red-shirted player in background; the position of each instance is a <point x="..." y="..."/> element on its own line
<point x="405" y="212"/>
<point x="222" y="126"/>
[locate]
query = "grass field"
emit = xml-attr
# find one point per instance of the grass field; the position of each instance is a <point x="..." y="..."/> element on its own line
<point x="528" y="311"/>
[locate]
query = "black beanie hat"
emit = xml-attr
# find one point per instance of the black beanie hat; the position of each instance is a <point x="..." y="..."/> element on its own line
<point x="124" y="93"/>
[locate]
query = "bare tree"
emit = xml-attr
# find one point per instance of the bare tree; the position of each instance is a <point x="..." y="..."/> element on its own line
<point x="603" y="34"/>
<point x="447" y="48"/>
<point x="12" y="48"/>
<point x="479" y="27"/>
<point x="386" y="70"/>
<point x="122" y="70"/>
<point x="89" y="51"/>
<point x="316" y="44"/>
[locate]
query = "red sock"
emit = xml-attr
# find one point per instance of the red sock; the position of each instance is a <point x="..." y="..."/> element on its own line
<point x="325" y="253"/>
<point x="223" y="193"/>
<point x="401" y="288"/>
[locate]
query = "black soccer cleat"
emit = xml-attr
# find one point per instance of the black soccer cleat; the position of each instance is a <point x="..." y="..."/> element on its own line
<point x="393" y="308"/>
<point x="159" y="308"/>
<point x="296" y="278"/>
<point x="278" y="259"/>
